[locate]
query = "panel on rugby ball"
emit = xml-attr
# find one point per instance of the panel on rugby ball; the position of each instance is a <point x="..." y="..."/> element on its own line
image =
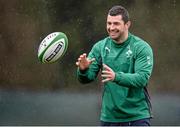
<point x="52" y="47"/>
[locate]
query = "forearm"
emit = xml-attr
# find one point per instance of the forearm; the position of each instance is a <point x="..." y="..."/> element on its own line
<point x="143" y="66"/>
<point x="138" y="80"/>
<point x="83" y="76"/>
<point x="91" y="72"/>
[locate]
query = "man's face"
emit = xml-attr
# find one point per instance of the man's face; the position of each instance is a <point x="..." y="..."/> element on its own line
<point x="116" y="27"/>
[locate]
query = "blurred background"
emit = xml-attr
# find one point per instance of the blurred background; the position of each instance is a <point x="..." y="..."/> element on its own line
<point x="32" y="93"/>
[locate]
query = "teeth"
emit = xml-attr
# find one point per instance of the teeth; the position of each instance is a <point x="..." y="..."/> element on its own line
<point x="113" y="32"/>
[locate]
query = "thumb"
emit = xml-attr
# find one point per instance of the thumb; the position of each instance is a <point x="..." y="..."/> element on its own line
<point x="92" y="60"/>
<point x="106" y="67"/>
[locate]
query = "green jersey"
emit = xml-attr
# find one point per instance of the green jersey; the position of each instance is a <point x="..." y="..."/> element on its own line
<point x="123" y="99"/>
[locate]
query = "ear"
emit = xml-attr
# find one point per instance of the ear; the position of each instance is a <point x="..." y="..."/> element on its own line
<point x="128" y="24"/>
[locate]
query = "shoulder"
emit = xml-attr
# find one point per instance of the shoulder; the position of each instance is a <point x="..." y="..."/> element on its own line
<point x="140" y="45"/>
<point x="97" y="49"/>
<point x="101" y="43"/>
<point x="98" y="46"/>
<point x="139" y="42"/>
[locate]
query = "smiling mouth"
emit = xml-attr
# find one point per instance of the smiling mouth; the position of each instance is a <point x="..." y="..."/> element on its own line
<point x="113" y="33"/>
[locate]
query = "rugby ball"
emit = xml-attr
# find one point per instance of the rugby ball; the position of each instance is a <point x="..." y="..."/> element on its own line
<point x="52" y="47"/>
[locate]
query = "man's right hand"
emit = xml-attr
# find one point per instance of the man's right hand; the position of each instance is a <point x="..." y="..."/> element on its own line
<point x="83" y="62"/>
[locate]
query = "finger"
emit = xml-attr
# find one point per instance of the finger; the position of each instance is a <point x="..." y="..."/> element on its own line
<point x="105" y="80"/>
<point x="81" y="56"/>
<point x="106" y="67"/>
<point x="106" y="72"/>
<point x="79" y="59"/>
<point x="77" y="63"/>
<point x="84" y="54"/>
<point x="92" y="60"/>
<point x="105" y="76"/>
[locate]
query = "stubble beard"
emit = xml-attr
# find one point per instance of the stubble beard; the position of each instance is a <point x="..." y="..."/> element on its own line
<point x="118" y="37"/>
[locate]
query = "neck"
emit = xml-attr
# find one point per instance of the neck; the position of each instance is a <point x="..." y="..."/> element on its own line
<point x="123" y="38"/>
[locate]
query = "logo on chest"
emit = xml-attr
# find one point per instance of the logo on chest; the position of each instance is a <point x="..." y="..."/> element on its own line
<point x="129" y="52"/>
<point x="107" y="49"/>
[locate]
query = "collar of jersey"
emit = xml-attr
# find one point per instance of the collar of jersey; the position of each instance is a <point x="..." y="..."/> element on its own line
<point x="126" y="42"/>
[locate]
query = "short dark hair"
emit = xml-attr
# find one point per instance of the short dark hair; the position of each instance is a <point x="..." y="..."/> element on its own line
<point x="119" y="10"/>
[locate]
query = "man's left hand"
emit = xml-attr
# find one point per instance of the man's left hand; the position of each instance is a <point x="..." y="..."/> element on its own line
<point x="107" y="74"/>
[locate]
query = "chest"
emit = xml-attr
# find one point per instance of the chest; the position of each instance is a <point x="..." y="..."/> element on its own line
<point x="118" y="58"/>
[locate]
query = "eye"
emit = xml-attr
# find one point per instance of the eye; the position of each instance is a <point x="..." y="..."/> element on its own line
<point x="117" y="23"/>
<point x="109" y="23"/>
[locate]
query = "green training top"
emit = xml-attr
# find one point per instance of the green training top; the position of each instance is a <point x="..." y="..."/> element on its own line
<point x="123" y="99"/>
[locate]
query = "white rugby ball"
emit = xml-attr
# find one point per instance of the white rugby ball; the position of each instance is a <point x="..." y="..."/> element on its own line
<point x="52" y="47"/>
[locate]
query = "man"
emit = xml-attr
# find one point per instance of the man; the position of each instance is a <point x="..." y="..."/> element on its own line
<point x="126" y="63"/>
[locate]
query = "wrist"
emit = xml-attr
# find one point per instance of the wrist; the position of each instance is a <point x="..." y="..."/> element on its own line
<point x="117" y="77"/>
<point x="83" y="71"/>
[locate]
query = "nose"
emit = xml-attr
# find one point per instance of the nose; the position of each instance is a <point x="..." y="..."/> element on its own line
<point x="112" y="27"/>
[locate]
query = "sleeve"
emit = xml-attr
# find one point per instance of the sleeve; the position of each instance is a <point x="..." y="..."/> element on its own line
<point x="91" y="73"/>
<point x="143" y="66"/>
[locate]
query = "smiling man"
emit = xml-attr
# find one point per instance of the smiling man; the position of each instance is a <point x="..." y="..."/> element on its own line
<point x="126" y="63"/>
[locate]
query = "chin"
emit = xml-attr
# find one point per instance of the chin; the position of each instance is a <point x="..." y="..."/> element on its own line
<point x="114" y="38"/>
